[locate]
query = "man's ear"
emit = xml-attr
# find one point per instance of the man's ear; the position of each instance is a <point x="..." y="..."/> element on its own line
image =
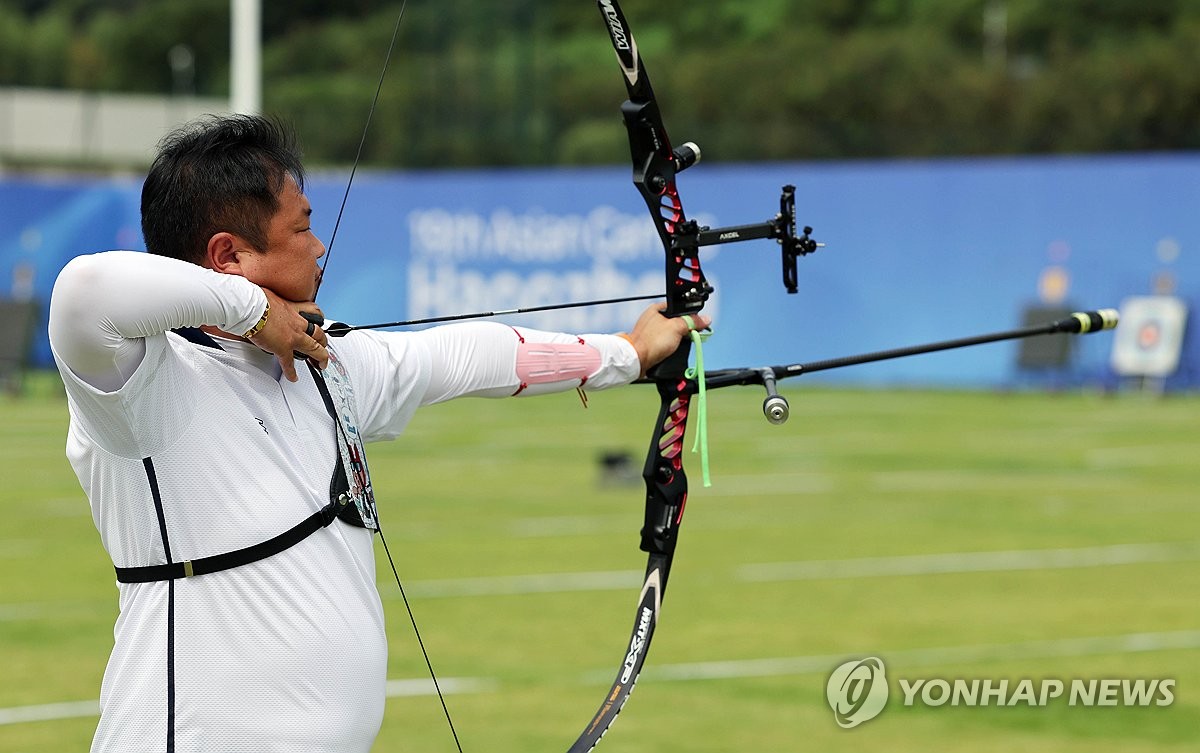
<point x="222" y="254"/>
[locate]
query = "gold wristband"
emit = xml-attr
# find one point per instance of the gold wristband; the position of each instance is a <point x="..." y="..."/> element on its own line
<point x="262" y="322"/>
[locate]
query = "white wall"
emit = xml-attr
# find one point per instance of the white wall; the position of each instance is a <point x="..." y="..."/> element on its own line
<point x="77" y="126"/>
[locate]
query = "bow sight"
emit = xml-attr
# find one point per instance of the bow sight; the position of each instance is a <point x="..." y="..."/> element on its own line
<point x="654" y="171"/>
<point x="782" y="229"/>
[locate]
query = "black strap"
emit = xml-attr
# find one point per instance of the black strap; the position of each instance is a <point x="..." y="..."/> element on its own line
<point x="197" y="336"/>
<point x="239" y="557"/>
<point x="339" y="507"/>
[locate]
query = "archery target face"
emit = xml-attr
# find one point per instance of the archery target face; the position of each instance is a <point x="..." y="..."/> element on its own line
<point x="1150" y="336"/>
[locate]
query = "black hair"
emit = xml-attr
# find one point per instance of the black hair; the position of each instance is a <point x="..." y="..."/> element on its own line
<point x="217" y="174"/>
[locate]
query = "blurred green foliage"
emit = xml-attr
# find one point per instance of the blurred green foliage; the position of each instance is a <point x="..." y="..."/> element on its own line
<point x="535" y="83"/>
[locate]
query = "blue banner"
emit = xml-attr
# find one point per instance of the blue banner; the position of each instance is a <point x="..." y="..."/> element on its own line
<point x="915" y="251"/>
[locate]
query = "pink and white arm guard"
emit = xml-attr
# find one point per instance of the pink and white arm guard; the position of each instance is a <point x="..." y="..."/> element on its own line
<point x="486" y="359"/>
<point x="544" y="366"/>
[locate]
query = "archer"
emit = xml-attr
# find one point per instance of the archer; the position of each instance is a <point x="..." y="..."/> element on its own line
<point x="229" y="486"/>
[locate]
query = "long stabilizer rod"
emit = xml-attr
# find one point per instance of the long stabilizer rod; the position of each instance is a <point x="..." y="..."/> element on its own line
<point x="775" y="406"/>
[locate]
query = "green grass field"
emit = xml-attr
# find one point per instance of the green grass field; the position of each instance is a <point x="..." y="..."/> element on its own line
<point x="873" y="523"/>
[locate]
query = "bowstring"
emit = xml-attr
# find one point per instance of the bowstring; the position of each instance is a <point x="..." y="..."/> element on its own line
<point x="412" y="618"/>
<point x="362" y="141"/>
<point x="417" y="632"/>
<point x="387" y="59"/>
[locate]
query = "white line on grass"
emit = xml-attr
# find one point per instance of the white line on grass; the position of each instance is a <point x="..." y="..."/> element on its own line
<point x="939" y="655"/>
<point x="14" y="548"/>
<point x="795" y="665"/>
<point x="1143" y="456"/>
<point x="967" y="480"/>
<point x="48" y="712"/>
<point x="866" y="567"/>
<point x="972" y="562"/>
<point x="964" y="562"/>
<point x="764" y="484"/>
<point x="568" y="525"/>
<point x="17" y="612"/>
<point x="918" y="564"/>
<point x="449" y="686"/>
<point x="40" y="610"/>
<point x="513" y="585"/>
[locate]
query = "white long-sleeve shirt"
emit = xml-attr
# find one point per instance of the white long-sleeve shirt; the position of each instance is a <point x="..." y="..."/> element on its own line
<point x="190" y="448"/>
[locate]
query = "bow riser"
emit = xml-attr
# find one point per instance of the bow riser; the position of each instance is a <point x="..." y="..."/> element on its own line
<point x="654" y="169"/>
<point x="666" y="483"/>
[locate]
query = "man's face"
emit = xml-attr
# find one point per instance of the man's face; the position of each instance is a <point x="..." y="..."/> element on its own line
<point x="288" y="265"/>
